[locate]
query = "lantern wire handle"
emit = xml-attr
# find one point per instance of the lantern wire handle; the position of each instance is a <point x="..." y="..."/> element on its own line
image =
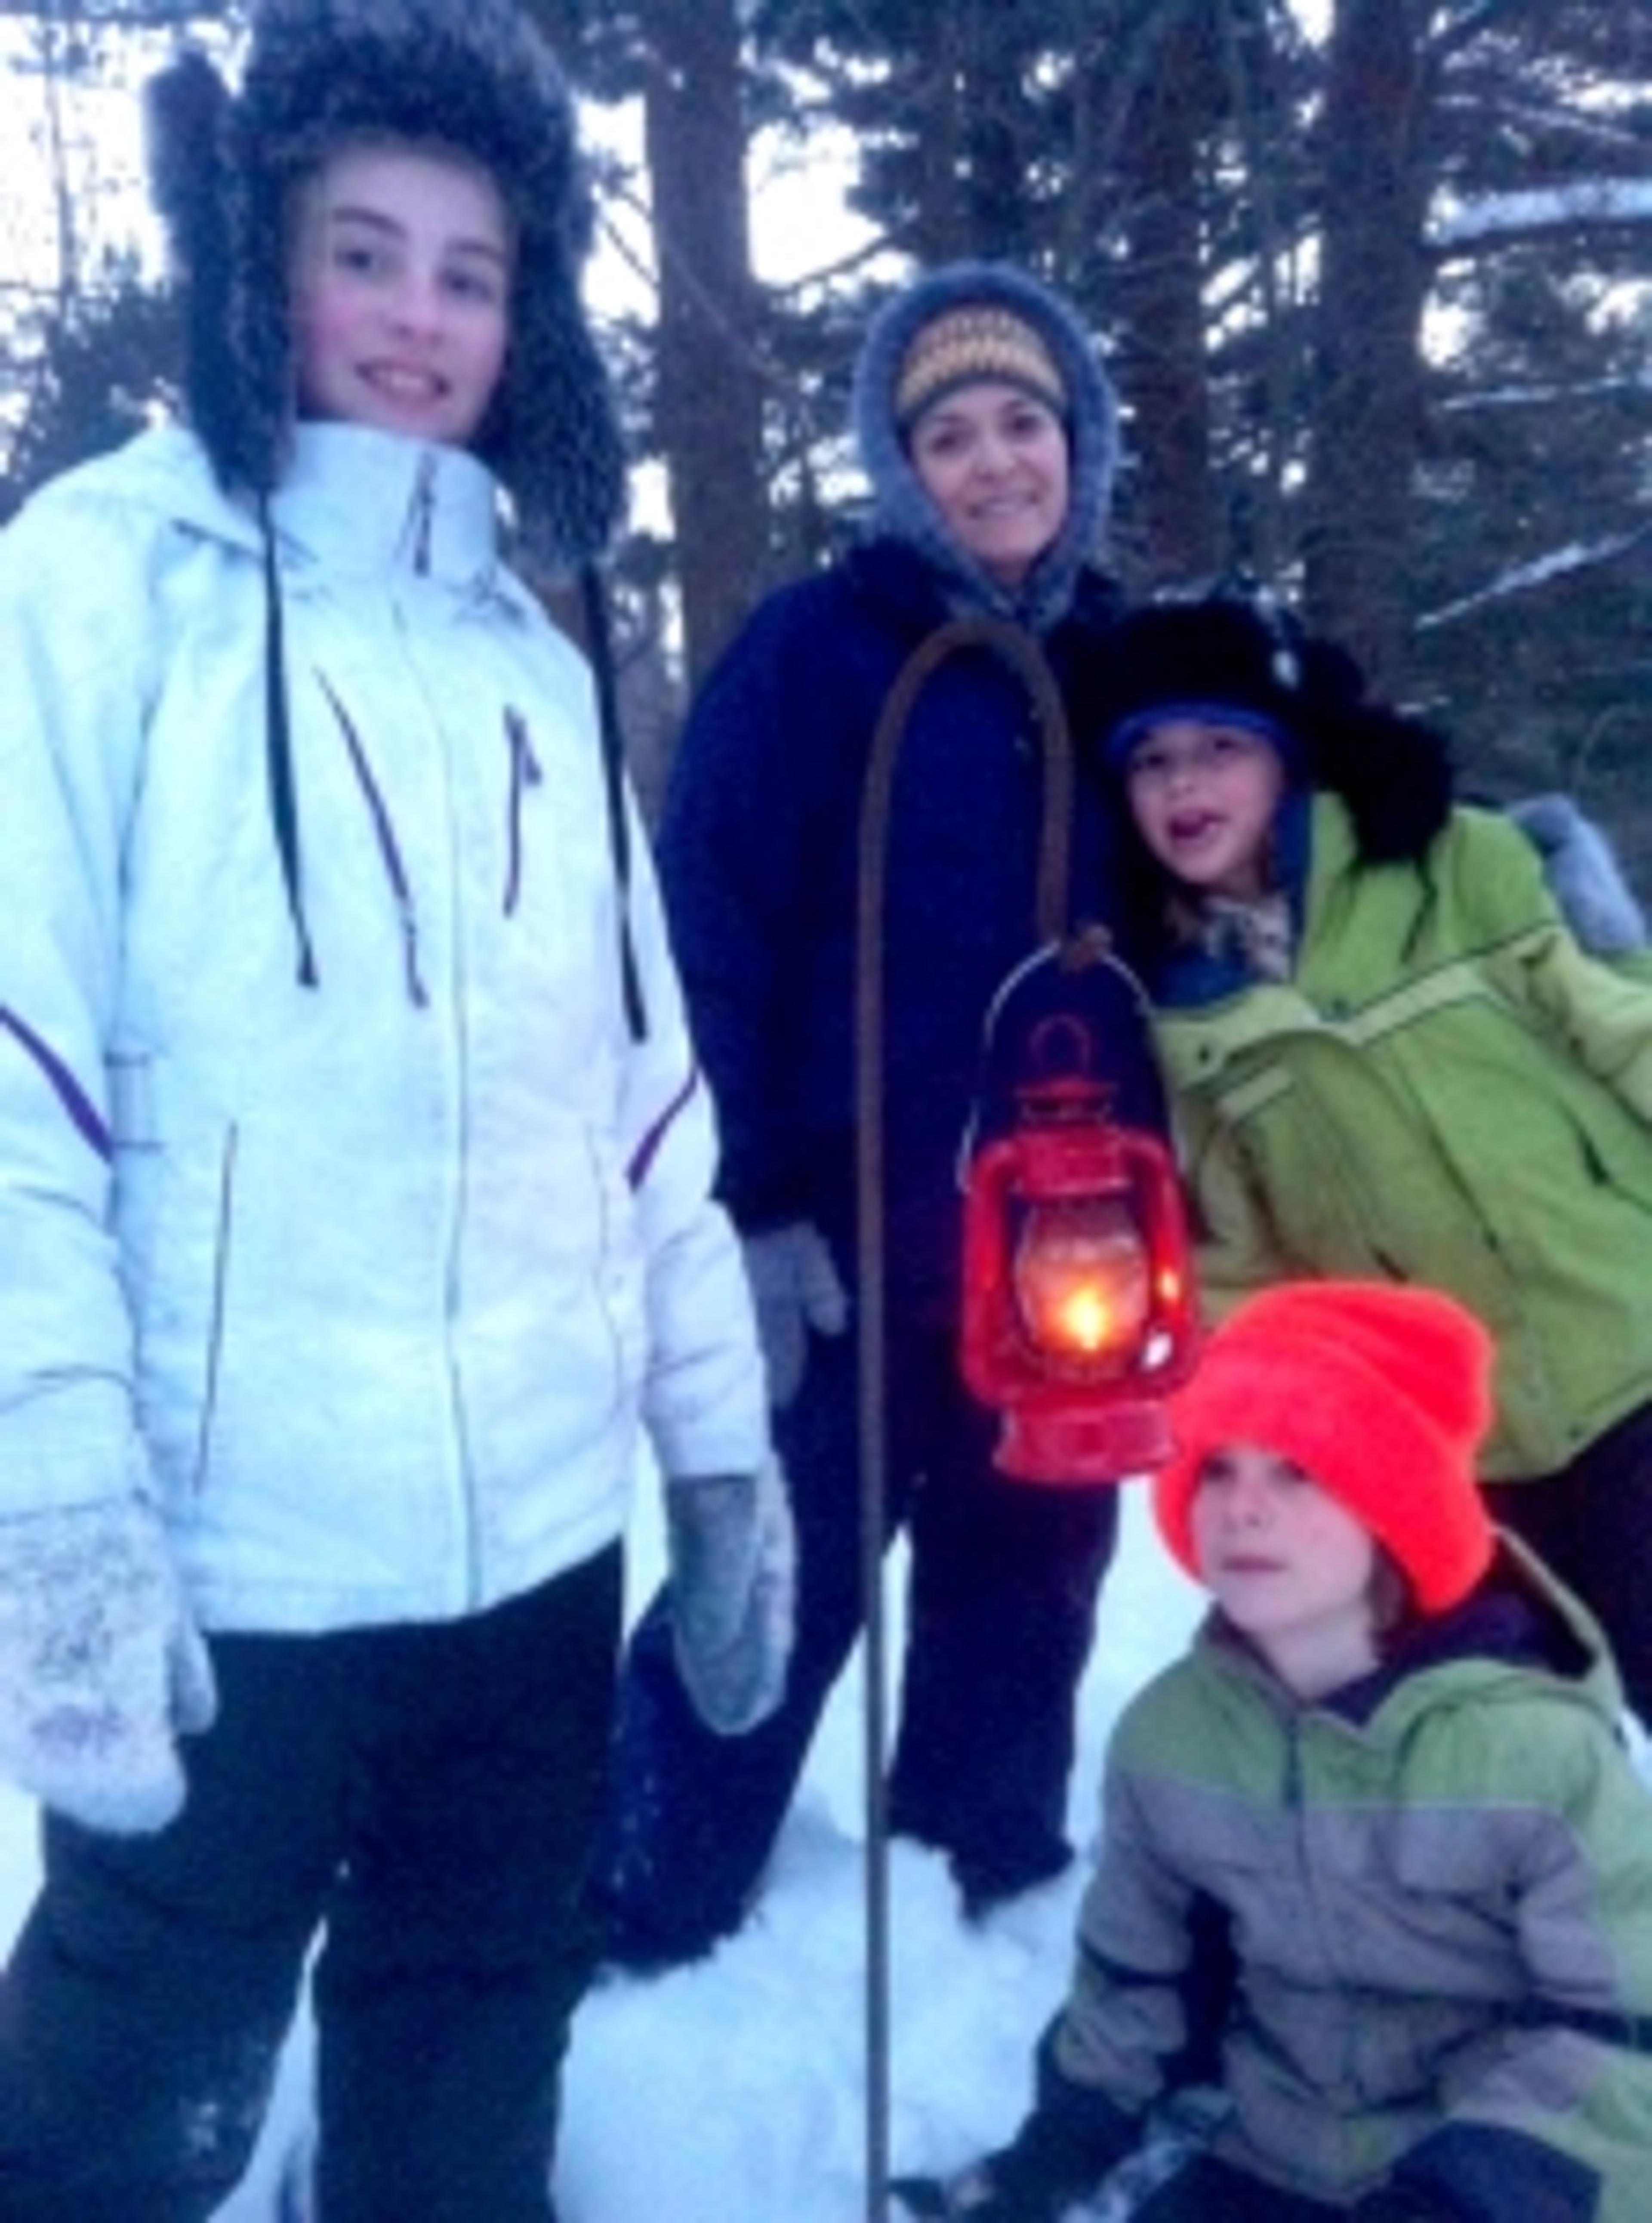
<point x="1017" y="648"/>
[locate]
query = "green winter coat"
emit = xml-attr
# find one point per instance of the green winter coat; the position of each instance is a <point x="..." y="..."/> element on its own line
<point x="1447" y="1092"/>
<point x="1437" y="1892"/>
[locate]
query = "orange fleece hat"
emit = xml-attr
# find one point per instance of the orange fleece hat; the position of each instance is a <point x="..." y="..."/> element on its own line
<point x="1380" y="1394"/>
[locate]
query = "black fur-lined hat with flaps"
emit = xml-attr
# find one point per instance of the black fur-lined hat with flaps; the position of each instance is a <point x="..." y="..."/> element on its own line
<point x="469" y="77"/>
<point x="1235" y="650"/>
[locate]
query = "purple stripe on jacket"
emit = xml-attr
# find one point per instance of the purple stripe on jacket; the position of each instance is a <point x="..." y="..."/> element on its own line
<point x="88" y="1120"/>
<point x="642" y="1157"/>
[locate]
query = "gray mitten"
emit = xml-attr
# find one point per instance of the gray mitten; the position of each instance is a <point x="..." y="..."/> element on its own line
<point x="794" y="1288"/>
<point x="1584" y="875"/>
<point x="733" y="1558"/>
<point x="100" y="1664"/>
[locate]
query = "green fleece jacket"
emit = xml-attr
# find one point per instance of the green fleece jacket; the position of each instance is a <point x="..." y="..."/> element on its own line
<point x="1429" y="1898"/>
<point x="1449" y="1092"/>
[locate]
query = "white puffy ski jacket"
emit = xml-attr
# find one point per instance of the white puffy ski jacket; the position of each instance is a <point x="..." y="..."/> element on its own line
<point x="374" y="1282"/>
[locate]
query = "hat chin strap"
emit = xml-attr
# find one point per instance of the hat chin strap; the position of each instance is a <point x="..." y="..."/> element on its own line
<point x="277" y="742"/>
<point x="600" y="640"/>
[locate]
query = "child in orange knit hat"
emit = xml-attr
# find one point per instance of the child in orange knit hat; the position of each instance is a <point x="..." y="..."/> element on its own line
<point x="1375" y="1869"/>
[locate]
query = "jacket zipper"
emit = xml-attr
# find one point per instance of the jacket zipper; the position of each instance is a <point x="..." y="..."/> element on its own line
<point x="525" y="772"/>
<point x="421" y="516"/>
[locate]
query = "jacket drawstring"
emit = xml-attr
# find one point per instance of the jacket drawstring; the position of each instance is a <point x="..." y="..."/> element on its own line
<point x="600" y="644"/>
<point x="278" y="741"/>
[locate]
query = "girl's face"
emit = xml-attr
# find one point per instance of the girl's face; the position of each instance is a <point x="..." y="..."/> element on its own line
<point x="1203" y="797"/>
<point x="401" y="279"/>
<point x="994" y="462"/>
<point x="1288" y="1564"/>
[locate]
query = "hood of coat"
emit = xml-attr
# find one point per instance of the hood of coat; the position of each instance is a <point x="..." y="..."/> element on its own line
<point x="353" y="500"/>
<point x="468" y="75"/>
<point x="901" y="507"/>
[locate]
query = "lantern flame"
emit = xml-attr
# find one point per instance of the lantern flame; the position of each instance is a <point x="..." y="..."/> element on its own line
<point x="1082" y="1280"/>
<point x="1085" y="1319"/>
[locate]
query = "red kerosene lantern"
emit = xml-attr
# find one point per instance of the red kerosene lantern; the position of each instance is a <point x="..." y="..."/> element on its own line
<point x="1079" y="1310"/>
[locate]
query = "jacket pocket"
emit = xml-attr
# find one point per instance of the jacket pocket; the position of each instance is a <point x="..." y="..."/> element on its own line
<point x="174" y="1215"/>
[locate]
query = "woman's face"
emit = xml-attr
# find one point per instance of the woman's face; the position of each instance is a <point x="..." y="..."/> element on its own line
<point x="994" y="463"/>
<point x="400" y="278"/>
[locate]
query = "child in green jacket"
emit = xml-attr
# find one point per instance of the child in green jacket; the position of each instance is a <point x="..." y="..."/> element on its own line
<point x="1374" y="1867"/>
<point x="1390" y="1058"/>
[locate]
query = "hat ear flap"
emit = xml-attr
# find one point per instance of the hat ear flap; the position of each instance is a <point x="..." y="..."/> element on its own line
<point x="1330" y="673"/>
<point x="184" y="109"/>
<point x="1395" y="773"/>
<point x="187" y="109"/>
<point x="546" y="432"/>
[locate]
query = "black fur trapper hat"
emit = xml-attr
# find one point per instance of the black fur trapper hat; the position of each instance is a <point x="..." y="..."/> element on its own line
<point x="1237" y="648"/>
<point x="470" y="76"/>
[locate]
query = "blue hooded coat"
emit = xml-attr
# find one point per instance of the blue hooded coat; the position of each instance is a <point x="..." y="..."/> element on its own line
<point x="761" y="848"/>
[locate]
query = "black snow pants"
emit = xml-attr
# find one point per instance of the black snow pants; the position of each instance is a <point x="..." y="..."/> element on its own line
<point x="424" y="1796"/>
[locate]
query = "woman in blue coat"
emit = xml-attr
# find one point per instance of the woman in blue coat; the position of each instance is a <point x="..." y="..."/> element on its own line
<point x="987" y="430"/>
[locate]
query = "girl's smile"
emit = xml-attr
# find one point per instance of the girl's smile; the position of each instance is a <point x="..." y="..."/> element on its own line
<point x="401" y="278"/>
<point x="1203" y="797"/>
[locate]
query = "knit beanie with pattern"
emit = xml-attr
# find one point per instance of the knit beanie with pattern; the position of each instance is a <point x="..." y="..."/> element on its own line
<point x="468" y="77"/>
<point x="966" y="345"/>
<point x="1380" y="1394"/>
<point x="970" y="321"/>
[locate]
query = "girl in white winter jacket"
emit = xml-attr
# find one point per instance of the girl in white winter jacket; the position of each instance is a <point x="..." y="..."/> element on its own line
<point x="355" y="1173"/>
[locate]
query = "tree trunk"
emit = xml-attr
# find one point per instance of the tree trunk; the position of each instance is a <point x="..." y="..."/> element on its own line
<point x="1161" y="354"/>
<point x="1367" y="394"/>
<point x="710" y="397"/>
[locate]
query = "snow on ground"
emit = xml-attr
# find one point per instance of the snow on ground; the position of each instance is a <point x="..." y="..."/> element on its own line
<point x="733" y="2092"/>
